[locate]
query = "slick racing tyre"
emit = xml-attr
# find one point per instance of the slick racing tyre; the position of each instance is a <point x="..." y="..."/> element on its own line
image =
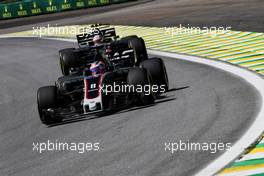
<point x="139" y="48"/>
<point x="157" y="70"/>
<point x="65" y="50"/>
<point x="140" y="77"/>
<point x="127" y="38"/>
<point x="67" y="61"/>
<point x="46" y="98"/>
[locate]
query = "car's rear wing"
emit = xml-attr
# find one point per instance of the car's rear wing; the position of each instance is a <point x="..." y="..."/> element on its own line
<point x="122" y="54"/>
<point x="86" y="39"/>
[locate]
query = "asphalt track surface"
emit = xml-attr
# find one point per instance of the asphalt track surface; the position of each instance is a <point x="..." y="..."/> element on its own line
<point x="204" y="105"/>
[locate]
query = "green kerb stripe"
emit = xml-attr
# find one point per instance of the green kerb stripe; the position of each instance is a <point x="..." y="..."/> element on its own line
<point x="262" y="174"/>
<point x="260" y="145"/>
<point x="248" y="163"/>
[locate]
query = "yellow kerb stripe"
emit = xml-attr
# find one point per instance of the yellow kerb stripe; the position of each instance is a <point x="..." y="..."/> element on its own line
<point x="241" y="168"/>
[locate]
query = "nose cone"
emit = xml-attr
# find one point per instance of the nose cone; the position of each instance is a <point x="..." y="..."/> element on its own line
<point x="92" y="106"/>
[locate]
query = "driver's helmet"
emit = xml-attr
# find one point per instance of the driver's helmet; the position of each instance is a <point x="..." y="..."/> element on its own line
<point x="98" y="39"/>
<point x="98" y="67"/>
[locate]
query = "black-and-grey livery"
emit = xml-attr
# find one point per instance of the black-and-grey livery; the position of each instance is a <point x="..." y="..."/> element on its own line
<point x="90" y="69"/>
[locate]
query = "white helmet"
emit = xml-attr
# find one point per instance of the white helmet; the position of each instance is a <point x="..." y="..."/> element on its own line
<point x="97" y="39"/>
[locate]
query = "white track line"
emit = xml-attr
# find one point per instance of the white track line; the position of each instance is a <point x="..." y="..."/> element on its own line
<point x="251" y="156"/>
<point x="255" y="130"/>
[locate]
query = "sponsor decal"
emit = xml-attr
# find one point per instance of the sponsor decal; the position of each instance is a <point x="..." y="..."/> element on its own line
<point x="51" y="7"/>
<point x="65" y="5"/>
<point x="35" y="9"/>
<point x="21" y="11"/>
<point x="6" y="13"/>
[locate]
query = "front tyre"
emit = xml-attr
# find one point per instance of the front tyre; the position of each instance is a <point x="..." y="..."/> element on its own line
<point x="65" y="50"/>
<point x="46" y="98"/>
<point x="68" y="60"/>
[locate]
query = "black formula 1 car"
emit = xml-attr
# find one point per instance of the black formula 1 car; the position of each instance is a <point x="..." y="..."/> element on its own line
<point x="130" y="78"/>
<point x="71" y="56"/>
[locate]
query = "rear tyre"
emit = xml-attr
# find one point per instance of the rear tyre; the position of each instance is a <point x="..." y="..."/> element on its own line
<point x="140" y="76"/>
<point x="140" y="51"/>
<point x="46" y="98"/>
<point x="158" y="72"/>
<point x="127" y="38"/>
